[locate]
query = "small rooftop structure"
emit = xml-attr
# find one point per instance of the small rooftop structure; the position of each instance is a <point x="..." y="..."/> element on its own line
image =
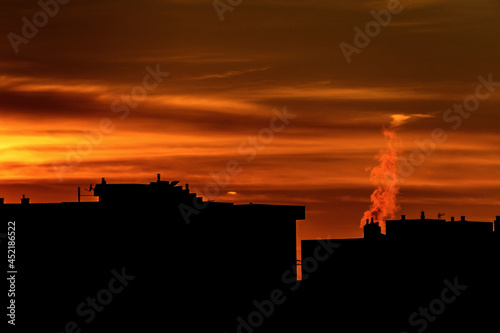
<point x="372" y="230"/>
<point x="425" y="228"/>
<point x="160" y="190"/>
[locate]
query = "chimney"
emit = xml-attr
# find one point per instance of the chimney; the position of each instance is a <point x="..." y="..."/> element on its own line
<point x="158" y="177"/>
<point x="462" y="218"/>
<point x="372" y="230"/>
<point x="403" y="217"/>
<point x="422" y="215"/>
<point x="452" y="219"/>
<point x="187" y="187"/>
<point x="25" y="201"/>
<point x="1" y="201"/>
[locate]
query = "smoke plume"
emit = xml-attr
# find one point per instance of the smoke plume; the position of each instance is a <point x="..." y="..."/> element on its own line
<point x="384" y="205"/>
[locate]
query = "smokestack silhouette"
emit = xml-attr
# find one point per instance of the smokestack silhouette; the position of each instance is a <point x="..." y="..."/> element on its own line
<point x="384" y="204"/>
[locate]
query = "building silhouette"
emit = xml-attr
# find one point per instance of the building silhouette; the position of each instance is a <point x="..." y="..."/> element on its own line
<point x="197" y="264"/>
<point x="394" y="282"/>
<point x="425" y="229"/>
<point x="224" y="267"/>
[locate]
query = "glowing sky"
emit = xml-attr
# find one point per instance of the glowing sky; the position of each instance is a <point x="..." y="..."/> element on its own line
<point x="226" y="78"/>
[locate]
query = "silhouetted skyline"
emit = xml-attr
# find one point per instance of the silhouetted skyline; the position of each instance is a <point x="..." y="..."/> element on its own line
<point x="143" y="248"/>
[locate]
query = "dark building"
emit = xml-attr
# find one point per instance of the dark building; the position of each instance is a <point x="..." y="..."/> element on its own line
<point x="443" y="230"/>
<point x="424" y="228"/>
<point x="196" y="264"/>
<point x="396" y="282"/>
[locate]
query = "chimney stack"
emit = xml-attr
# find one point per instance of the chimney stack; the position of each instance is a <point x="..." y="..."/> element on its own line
<point x="462" y="218"/>
<point x="187" y="187"/>
<point x="25" y="201"/>
<point x="422" y="215"/>
<point x="371" y="230"/>
<point x="367" y="221"/>
<point x="158" y="177"/>
<point x="403" y="217"/>
<point x="452" y="219"/>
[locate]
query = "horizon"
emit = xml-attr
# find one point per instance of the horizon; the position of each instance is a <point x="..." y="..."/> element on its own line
<point x="88" y="196"/>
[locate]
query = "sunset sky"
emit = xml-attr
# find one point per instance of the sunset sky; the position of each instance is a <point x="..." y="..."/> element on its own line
<point x="226" y="78"/>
